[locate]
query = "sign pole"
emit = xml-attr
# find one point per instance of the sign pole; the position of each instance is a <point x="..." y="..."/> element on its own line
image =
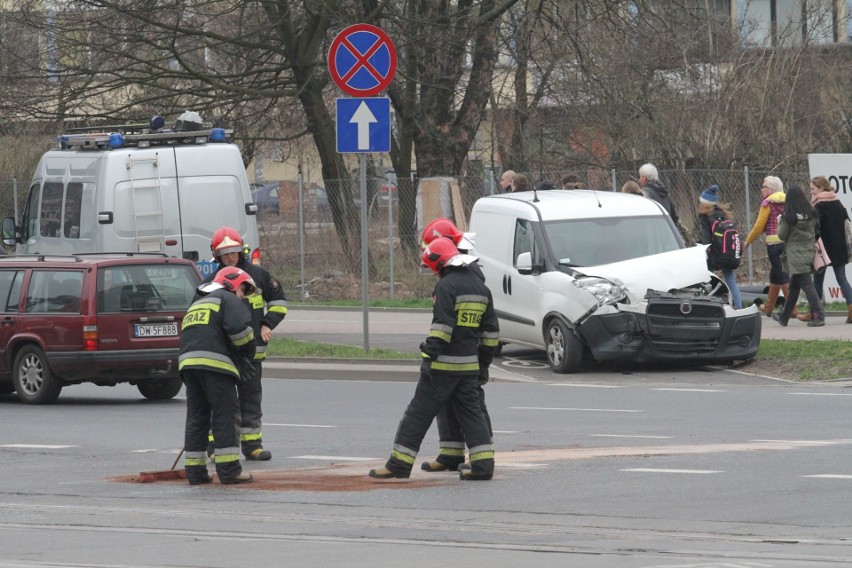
<point x="365" y="275"/>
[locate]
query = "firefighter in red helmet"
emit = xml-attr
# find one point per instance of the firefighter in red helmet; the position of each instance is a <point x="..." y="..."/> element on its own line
<point x="451" y="452"/>
<point x="216" y="335"/>
<point x="268" y="307"/>
<point x="452" y="355"/>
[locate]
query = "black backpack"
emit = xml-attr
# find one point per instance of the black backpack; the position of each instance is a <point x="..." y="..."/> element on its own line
<point x="725" y="246"/>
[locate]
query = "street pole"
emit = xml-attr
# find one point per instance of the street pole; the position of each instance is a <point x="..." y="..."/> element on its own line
<point x="365" y="275"/>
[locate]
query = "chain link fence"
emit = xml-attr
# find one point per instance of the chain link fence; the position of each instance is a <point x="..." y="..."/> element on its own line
<point x="303" y="249"/>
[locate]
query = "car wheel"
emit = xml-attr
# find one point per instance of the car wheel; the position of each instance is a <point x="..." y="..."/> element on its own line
<point x="564" y="349"/>
<point x="33" y="379"/>
<point x="160" y="389"/>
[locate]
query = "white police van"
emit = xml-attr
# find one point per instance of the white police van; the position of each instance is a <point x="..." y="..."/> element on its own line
<point x="604" y="275"/>
<point x="137" y="188"/>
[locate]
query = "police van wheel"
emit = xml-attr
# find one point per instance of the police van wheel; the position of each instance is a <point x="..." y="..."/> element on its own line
<point x="160" y="389"/>
<point x="564" y="349"/>
<point x="33" y="379"/>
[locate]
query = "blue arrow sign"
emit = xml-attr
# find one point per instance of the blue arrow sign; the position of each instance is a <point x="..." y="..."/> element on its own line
<point x="363" y="125"/>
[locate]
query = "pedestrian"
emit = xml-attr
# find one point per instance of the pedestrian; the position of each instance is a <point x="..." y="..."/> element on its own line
<point x="520" y="182"/>
<point x="216" y="335"/>
<point x="632" y="187"/>
<point x="831" y="216"/>
<point x="772" y="192"/>
<point x="653" y="188"/>
<point x="798" y="230"/>
<point x="268" y="307"/>
<point x="710" y="212"/>
<point x="571" y="181"/>
<point x="506" y="181"/>
<point x="545" y="185"/>
<point x="454" y="359"/>
<point x="450" y="436"/>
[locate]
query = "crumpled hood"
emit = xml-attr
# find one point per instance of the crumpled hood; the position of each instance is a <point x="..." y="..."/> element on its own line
<point x="666" y="271"/>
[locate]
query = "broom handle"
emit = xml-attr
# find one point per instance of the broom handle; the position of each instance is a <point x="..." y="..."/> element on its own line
<point x="177" y="459"/>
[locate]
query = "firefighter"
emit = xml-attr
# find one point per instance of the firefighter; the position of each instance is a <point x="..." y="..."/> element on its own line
<point x="217" y="333"/>
<point x="451" y="439"/>
<point x="452" y="360"/>
<point x="268" y="307"/>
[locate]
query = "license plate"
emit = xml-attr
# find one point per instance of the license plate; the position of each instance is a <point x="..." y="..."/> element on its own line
<point x="155" y="329"/>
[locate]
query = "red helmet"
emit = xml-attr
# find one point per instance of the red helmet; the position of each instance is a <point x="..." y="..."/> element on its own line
<point x="441" y="227"/>
<point x="231" y="278"/>
<point x="226" y="240"/>
<point x="438" y="253"/>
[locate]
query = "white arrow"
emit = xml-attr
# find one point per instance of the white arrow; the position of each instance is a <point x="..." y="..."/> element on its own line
<point x="363" y="118"/>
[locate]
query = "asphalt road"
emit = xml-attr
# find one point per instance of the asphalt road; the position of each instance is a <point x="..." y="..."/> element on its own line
<point x="713" y="469"/>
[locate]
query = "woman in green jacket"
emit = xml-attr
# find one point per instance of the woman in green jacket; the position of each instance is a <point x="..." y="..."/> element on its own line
<point x="799" y="230"/>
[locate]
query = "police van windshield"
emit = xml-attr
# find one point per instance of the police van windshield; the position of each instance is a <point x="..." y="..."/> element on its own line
<point x="591" y="242"/>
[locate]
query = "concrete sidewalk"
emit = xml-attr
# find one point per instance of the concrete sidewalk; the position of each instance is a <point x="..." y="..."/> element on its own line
<point x="412" y="325"/>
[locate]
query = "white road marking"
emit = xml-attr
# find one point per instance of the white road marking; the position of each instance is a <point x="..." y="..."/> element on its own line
<point x="334" y="458"/>
<point x="300" y="425"/>
<point x="830" y="476"/>
<point x="821" y="393"/>
<point x="802" y="442"/>
<point x="689" y="390"/>
<point x="585" y="386"/>
<point x="628" y="436"/>
<point x="156" y="451"/>
<point x="520" y="465"/>
<point x="38" y="446"/>
<point x="505" y="431"/>
<point x="654" y="470"/>
<point x="577" y="409"/>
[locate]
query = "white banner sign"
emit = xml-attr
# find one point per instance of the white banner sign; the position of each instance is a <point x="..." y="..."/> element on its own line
<point x="838" y="169"/>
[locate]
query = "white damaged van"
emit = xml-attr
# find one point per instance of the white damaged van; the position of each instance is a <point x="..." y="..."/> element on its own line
<point x="137" y="188"/>
<point x="607" y="275"/>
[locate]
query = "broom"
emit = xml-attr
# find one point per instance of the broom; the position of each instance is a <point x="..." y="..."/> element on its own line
<point x="163" y="474"/>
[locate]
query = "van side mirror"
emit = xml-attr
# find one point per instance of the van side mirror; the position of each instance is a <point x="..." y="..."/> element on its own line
<point x="524" y="263"/>
<point x="10" y="234"/>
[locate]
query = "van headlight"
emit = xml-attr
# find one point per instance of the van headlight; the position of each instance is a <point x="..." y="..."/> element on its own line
<point x="604" y="291"/>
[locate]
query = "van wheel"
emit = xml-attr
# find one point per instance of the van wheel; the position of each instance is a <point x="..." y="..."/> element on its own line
<point x="160" y="389"/>
<point x="564" y="349"/>
<point x="33" y="379"/>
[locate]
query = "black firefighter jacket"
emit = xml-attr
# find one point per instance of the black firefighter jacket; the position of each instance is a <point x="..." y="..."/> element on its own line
<point x="215" y="325"/>
<point x="268" y="305"/>
<point x="464" y="327"/>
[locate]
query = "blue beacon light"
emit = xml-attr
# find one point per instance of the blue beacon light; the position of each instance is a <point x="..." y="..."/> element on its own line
<point x="116" y="140"/>
<point x="217" y="135"/>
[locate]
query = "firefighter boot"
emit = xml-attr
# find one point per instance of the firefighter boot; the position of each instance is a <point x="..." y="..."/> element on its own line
<point x="385" y="473"/>
<point x="259" y="454"/>
<point x="197" y="475"/>
<point x="242" y="477"/>
<point x="771" y="298"/>
<point x="466" y="473"/>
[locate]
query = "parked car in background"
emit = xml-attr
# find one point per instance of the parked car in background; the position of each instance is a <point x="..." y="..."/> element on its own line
<point x="98" y="318"/>
<point x="266" y="197"/>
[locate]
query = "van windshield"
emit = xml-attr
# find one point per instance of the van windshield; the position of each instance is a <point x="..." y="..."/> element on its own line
<point x="147" y="288"/>
<point x="591" y="242"/>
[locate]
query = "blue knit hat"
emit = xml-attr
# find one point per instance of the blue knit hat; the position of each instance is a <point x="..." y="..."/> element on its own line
<point x="710" y="195"/>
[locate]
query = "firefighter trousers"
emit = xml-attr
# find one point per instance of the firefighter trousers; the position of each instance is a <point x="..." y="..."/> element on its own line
<point x="450" y="434"/>
<point x="211" y="403"/>
<point x="251" y="397"/>
<point x="430" y="396"/>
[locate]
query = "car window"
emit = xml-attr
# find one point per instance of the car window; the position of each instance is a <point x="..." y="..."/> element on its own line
<point x="591" y="242"/>
<point x="146" y="287"/>
<point x="10" y="289"/>
<point x="54" y="291"/>
<point x="525" y="242"/>
<point x="51" y="209"/>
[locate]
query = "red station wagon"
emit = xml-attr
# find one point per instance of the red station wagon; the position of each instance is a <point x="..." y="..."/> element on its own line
<point x="97" y="318"/>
